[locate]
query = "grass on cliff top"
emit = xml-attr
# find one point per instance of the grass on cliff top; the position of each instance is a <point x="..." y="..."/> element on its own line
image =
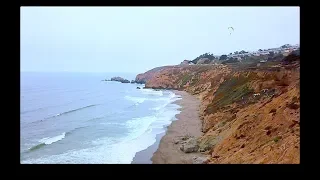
<point x="230" y="91"/>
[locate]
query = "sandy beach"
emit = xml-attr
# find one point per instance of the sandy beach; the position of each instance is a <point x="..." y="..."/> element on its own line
<point x="166" y="151"/>
<point x="188" y="123"/>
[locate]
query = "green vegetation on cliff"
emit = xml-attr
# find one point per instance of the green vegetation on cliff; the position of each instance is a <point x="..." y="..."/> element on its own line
<point x="230" y="91"/>
<point x="185" y="79"/>
<point x="205" y="55"/>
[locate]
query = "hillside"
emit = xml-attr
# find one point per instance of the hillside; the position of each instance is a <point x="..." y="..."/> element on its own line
<point x="143" y="77"/>
<point x="249" y="114"/>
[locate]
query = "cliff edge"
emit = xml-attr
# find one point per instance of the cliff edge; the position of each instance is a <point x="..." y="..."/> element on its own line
<point x="249" y="114"/>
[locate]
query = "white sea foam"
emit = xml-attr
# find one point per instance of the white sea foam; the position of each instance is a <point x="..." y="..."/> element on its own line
<point x="171" y="98"/>
<point x="151" y="92"/>
<point x="118" y="153"/>
<point x="50" y="140"/>
<point x="135" y="99"/>
<point x="158" y="108"/>
<point x="137" y="126"/>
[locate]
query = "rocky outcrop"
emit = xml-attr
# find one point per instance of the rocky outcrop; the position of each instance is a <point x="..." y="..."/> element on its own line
<point x="200" y="160"/>
<point x="208" y="142"/>
<point x="144" y="77"/>
<point x="182" y="139"/>
<point x="120" y="79"/>
<point x="191" y="145"/>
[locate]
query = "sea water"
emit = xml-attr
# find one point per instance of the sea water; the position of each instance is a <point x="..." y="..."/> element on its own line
<point x="77" y="118"/>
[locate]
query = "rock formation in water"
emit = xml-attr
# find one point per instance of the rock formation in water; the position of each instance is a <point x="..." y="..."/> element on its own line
<point x="120" y="79"/>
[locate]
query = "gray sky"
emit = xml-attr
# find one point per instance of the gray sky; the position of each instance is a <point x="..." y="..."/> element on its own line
<point x="136" y="39"/>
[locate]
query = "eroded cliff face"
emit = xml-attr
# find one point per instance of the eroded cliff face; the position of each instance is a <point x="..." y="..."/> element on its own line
<point x="248" y="115"/>
<point x="143" y="77"/>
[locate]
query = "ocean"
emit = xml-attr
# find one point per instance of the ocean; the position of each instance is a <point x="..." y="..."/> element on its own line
<point x="75" y="118"/>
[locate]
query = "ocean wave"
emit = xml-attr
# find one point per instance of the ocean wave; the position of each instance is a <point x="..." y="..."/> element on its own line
<point x="96" y="118"/>
<point x="138" y="100"/>
<point x="38" y="146"/>
<point x="160" y="107"/>
<point x="140" y="122"/>
<point x="74" y="110"/>
<point x="157" y="108"/>
<point x="72" y="131"/>
<point x="111" y="113"/>
<point x="67" y="112"/>
<point x="50" y="140"/>
<point x="139" y="126"/>
<point x="47" y="141"/>
<point x="142" y="134"/>
<point x="112" y="123"/>
<point x="172" y="97"/>
<point x="151" y="92"/>
<point x="102" y="117"/>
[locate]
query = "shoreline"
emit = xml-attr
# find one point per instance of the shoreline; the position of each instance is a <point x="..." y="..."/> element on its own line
<point x="164" y="150"/>
<point x="144" y="156"/>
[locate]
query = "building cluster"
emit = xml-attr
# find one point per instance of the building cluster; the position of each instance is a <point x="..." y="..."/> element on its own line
<point x="284" y="50"/>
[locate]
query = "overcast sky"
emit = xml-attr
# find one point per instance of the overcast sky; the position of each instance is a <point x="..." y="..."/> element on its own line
<point x="136" y="39"/>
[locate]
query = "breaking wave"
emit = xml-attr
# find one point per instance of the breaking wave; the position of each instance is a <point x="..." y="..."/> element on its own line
<point x="151" y="92"/>
<point x="47" y="141"/>
<point x="74" y="110"/>
<point x="138" y="100"/>
<point x="50" y="140"/>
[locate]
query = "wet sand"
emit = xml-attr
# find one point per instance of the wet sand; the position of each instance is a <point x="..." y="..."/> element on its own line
<point x="188" y="123"/>
<point x="144" y="156"/>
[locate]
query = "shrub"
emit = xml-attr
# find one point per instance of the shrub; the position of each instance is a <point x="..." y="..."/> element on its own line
<point x="276" y="139"/>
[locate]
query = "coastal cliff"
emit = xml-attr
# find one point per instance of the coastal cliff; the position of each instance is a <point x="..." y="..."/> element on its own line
<point x="249" y="114"/>
<point x="142" y="78"/>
